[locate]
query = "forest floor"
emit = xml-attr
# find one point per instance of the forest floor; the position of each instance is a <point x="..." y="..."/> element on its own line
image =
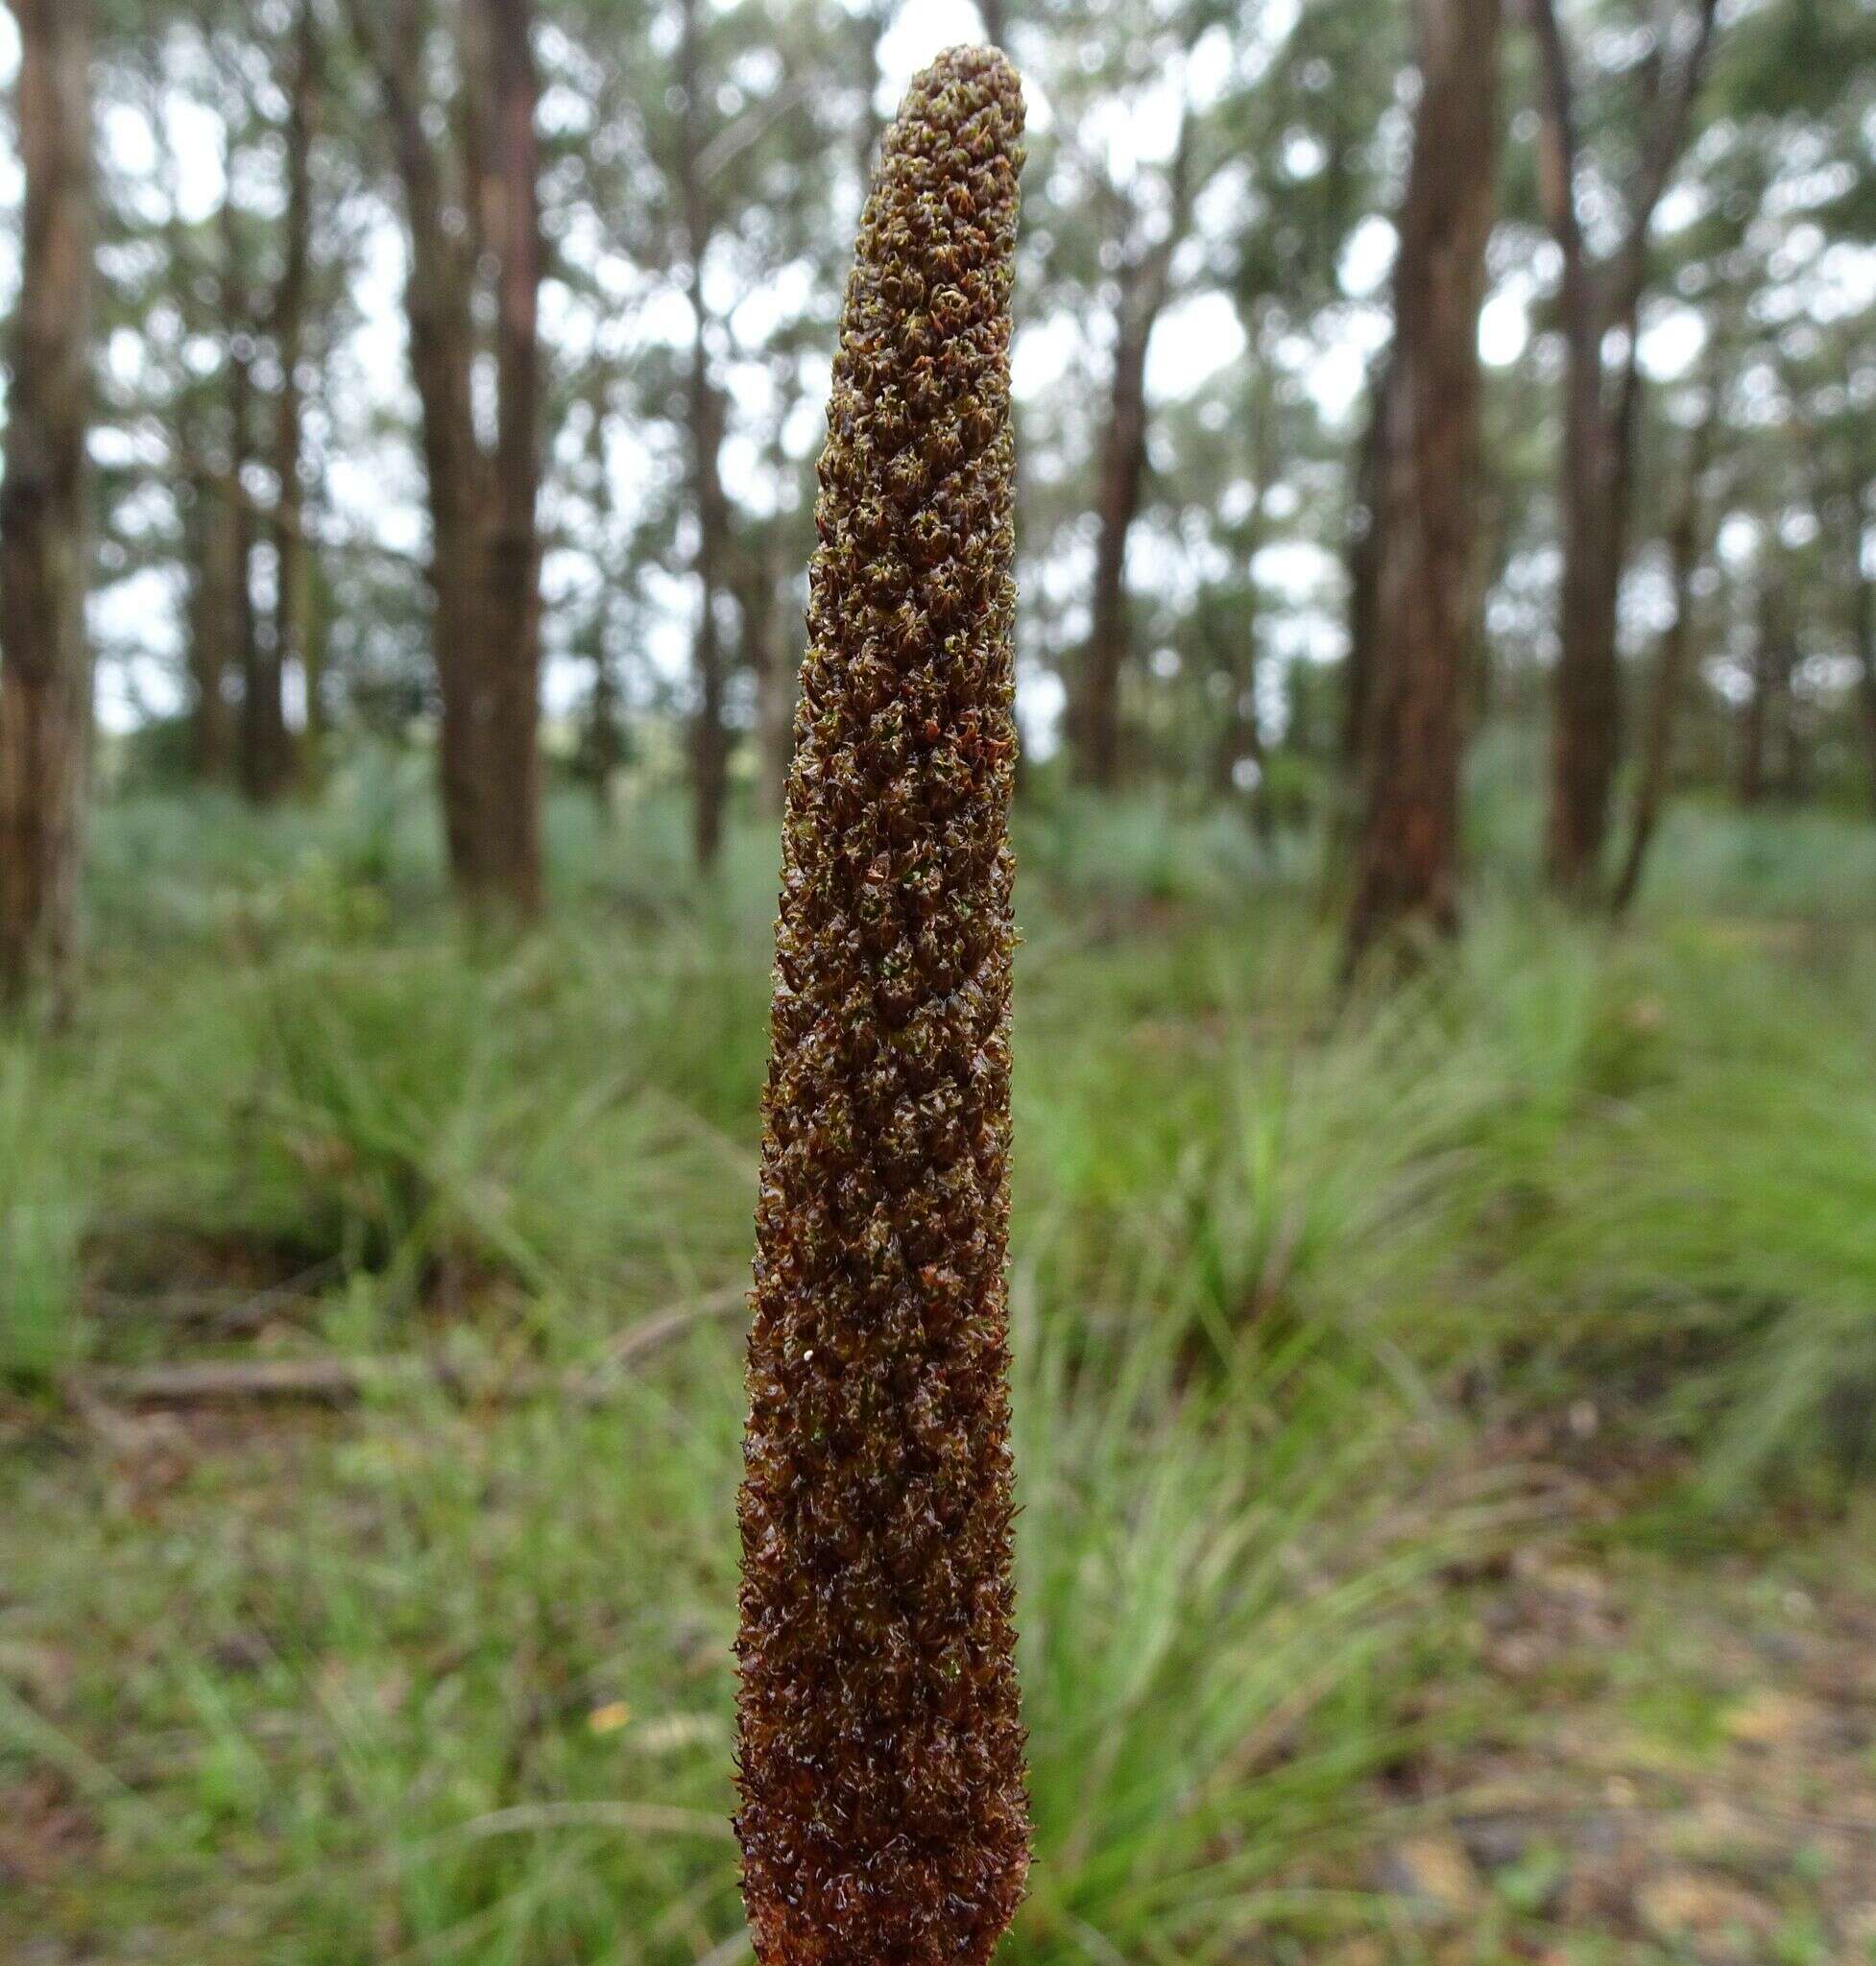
<point x="1446" y="1537"/>
<point x="1663" y="1757"/>
<point x="1629" y="1754"/>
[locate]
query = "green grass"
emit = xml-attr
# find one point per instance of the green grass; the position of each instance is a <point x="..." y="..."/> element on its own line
<point x="447" y="1680"/>
<point x="456" y="1687"/>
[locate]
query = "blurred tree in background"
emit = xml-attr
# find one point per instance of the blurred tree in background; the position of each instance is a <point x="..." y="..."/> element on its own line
<point x="460" y="369"/>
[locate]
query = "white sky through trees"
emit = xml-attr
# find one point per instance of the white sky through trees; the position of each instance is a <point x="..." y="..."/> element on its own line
<point x="366" y="445"/>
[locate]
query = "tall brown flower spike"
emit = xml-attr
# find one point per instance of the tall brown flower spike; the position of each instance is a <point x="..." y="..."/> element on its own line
<point x="883" y="1818"/>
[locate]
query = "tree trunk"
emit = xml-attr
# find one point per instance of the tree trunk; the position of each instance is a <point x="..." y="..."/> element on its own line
<point x="45" y="671"/>
<point x="771" y="659"/>
<point x="709" y="738"/>
<point x="210" y="611"/>
<point x="260" y="732"/>
<point x="1363" y="569"/>
<point x="1095" y="719"/>
<point x="1233" y="646"/>
<point x="1755" y="720"/>
<point x="1240" y="737"/>
<point x="261" y="724"/>
<point x="1864" y="590"/>
<point x="292" y="570"/>
<point x="1407" y="850"/>
<point x="1597" y="455"/>
<point x="506" y="858"/>
<point x="484" y="542"/>
<point x="1586" y="728"/>
<point x="1670" y="683"/>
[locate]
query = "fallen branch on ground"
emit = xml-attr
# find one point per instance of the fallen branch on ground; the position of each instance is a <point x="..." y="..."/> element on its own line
<point x="330" y="1380"/>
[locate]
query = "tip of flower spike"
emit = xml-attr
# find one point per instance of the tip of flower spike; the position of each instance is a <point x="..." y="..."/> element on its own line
<point x="986" y="72"/>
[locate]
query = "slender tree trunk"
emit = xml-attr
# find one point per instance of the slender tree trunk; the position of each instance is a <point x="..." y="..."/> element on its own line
<point x="316" y="629"/>
<point x="1363" y="570"/>
<point x="1669" y="688"/>
<point x="45" y="671"/>
<point x="507" y="703"/>
<point x="1597" y="456"/>
<point x="291" y="569"/>
<point x="210" y="611"/>
<point x="1407" y="849"/>
<point x="261" y="730"/>
<point x="1755" y="719"/>
<point x="770" y="658"/>
<point x="1362" y="550"/>
<point x="1096" y="709"/>
<point x="485" y="539"/>
<point x="1794" y="734"/>
<point x="710" y="737"/>
<point x="1585" y="729"/>
<point x="1240" y="737"/>
<point x="1234" y="645"/>
<point x="1862" y="605"/>
<point x="260" y="722"/>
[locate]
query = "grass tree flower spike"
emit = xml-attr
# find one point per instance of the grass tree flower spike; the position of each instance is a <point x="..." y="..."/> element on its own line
<point x="883" y="1818"/>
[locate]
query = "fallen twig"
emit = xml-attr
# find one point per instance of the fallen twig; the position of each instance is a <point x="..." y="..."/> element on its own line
<point x="332" y="1380"/>
<point x="227" y="1311"/>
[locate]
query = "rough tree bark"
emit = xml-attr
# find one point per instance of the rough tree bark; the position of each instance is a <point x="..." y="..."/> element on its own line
<point x="1601" y="305"/>
<point x="1406" y="848"/>
<point x="1669" y="688"/>
<point x="45" y="672"/>
<point x="1094" y="705"/>
<point x="485" y="539"/>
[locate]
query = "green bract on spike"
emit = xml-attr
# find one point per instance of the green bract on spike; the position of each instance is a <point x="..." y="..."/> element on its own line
<point x="883" y="1819"/>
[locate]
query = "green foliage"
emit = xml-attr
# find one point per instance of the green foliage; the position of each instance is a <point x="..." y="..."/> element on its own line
<point x="41" y="1220"/>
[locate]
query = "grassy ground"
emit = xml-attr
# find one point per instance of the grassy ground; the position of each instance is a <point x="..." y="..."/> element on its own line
<point x="1443" y="1420"/>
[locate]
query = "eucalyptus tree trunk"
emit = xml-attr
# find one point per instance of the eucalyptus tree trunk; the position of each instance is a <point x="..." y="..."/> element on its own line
<point x="1408" y="846"/>
<point x="771" y="659"/>
<point x="1094" y="700"/>
<point x="46" y="670"/>
<point x="1096" y="710"/>
<point x="1363" y="566"/>
<point x="1770" y="672"/>
<point x="485" y="539"/>
<point x="1600" y="312"/>
<point x="210" y="611"/>
<point x="291" y="622"/>
<point x="707" y="416"/>
<point x="1668" y="689"/>
<point x="261" y="732"/>
<point x="1865" y="626"/>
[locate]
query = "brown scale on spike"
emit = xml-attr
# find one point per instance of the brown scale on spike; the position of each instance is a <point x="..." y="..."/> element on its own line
<point x="879" y="1749"/>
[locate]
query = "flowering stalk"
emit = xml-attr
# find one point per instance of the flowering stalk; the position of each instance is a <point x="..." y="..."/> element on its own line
<point x="879" y="1749"/>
